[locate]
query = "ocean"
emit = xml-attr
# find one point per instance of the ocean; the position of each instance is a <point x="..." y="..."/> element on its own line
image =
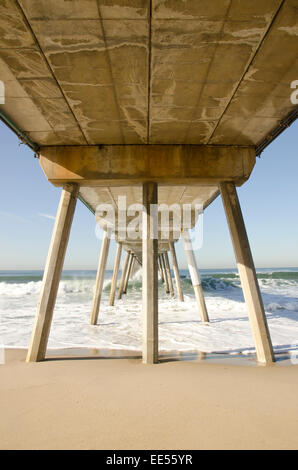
<point x="180" y="328"/>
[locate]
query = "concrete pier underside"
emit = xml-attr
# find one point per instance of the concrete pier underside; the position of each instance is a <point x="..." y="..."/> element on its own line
<point x="185" y="175"/>
<point x="90" y="72"/>
<point x="118" y="95"/>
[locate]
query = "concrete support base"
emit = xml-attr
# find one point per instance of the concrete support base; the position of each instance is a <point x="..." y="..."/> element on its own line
<point x="100" y="278"/>
<point x="52" y="274"/>
<point x="247" y="273"/>
<point x="150" y="275"/>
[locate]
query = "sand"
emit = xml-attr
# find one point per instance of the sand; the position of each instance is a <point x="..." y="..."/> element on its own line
<point x="93" y="403"/>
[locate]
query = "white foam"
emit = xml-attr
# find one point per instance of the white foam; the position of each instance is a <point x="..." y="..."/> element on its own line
<point x="179" y="323"/>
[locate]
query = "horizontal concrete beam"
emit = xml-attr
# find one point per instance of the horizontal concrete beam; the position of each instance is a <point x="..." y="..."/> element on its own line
<point x="165" y="164"/>
<point x="136" y="247"/>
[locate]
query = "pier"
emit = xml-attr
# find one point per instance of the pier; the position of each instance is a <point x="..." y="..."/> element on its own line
<point x="158" y="104"/>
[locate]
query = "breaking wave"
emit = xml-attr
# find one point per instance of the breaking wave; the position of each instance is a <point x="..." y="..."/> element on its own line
<point x="179" y="322"/>
<point x="18" y="286"/>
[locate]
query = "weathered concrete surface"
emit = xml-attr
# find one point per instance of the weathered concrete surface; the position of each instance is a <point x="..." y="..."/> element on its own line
<point x="247" y="272"/>
<point x="119" y="72"/>
<point x="186" y="175"/>
<point x="52" y="273"/>
<point x="168" y="164"/>
<point x="104" y="251"/>
<point x="150" y="276"/>
<point x="123" y="76"/>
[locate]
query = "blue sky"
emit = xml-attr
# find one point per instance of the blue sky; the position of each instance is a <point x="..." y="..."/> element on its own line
<point x="269" y="200"/>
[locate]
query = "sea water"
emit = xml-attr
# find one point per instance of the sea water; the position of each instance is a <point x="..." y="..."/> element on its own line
<point x="180" y="328"/>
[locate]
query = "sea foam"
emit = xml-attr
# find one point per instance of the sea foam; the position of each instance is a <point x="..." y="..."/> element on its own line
<point x="180" y="327"/>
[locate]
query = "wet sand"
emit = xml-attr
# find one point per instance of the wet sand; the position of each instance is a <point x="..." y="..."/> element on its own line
<point x="82" y="401"/>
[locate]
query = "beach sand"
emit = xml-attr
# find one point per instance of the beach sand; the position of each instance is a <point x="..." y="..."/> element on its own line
<point x="112" y="403"/>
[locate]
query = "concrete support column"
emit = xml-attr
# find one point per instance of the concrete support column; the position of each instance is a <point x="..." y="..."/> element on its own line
<point x="135" y="266"/>
<point x="247" y="273"/>
<point x="165" y="276"/>
<point x="150" y="274"/>
<point x="115" y="273"/>
<point x="105" y="244"/>
<point x="52" y="273"/>
<point x="127" y="277"/>
<point x="160" y="270"/>
<point x="169" y="276"/>
<point x="194" y="274"/>
<point x="123" y="275"/>
<point x="138" y="261"/>
<point x="176" y="272"/>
